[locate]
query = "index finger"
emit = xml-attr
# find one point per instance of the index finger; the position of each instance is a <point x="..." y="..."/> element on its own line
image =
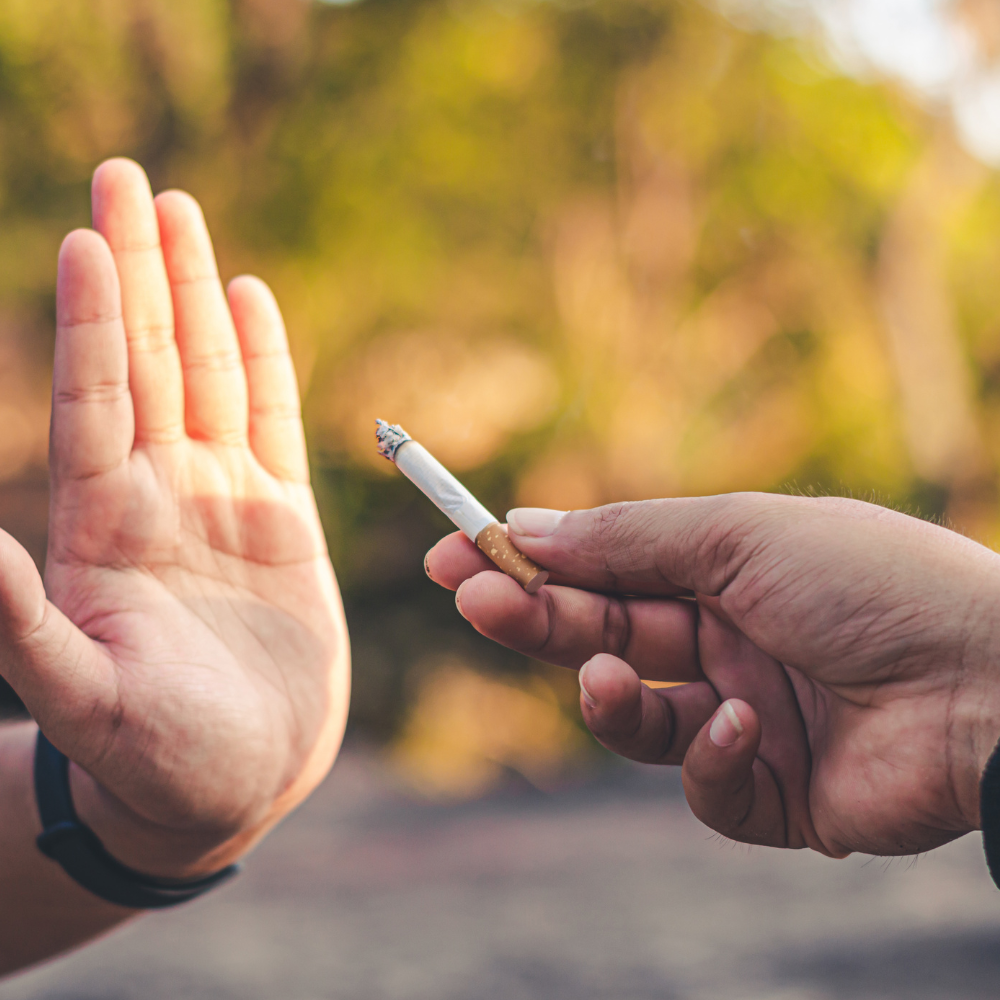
<point x="566" y="626"/>
<point x="92" y="417"/>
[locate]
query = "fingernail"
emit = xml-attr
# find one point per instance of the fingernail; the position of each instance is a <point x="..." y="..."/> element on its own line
<point x="587" y="696"/>
<point x="726" y="727"/>
<point x="535" y="522"/>
<point x="458" y="601"/>
<point x="427" y="568"/>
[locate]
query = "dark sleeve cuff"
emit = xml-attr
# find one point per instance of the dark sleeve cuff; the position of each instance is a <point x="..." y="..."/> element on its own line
<point x="989" y="813"/>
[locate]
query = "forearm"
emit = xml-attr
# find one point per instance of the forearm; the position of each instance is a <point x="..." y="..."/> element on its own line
<point x="45" y="912"/>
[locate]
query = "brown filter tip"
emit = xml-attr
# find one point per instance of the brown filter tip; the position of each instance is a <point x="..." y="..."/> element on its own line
<point x="494" y="542"/>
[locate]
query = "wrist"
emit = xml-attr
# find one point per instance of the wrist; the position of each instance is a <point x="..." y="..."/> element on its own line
<point x="984" y="739"/>
<point x="974" y="728"/>
<point x="148" y="847"/>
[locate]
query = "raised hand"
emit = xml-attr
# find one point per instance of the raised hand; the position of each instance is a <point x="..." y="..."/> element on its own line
<point x="841" y="660"/>
<point x="188" y="651"/>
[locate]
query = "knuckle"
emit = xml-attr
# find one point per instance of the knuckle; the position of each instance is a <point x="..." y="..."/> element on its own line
<point x="268" y="356"/>
<point x="646" y="736"/>
<point x="216" y="363"/>
<point x="90" y="319"/>
<point x="662" y="746"/>
<point x="152" y="338"/>
<point x="97" y="392"/>
<point x="723" y="802"/>
<point x="551" y="617"/>
<point x="163" y="433"/>
<point x="617" y="627"/>
<point x="731" y="533"/>
<point x="611" y="522"/>
<point x="276" y="411"/>
<point x="613" y="538"/>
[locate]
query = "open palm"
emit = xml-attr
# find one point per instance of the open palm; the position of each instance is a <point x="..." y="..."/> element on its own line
<point x="191" y="654"/>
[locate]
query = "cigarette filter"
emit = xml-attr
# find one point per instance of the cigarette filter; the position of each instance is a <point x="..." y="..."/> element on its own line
<point x="454" y="500"/>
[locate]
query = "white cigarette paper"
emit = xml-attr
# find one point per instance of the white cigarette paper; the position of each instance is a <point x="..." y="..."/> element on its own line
<point x="429" y="475"/>
<point x="455" y="501"/>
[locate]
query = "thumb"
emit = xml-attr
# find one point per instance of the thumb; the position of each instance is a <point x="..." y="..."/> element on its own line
<point x="727" y="786"/>
<point x="690" y="544"/>
<point x="63" y="677"/>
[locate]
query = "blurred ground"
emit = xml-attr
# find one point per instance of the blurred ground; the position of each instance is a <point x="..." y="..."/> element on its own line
<point x="606" y="891"/>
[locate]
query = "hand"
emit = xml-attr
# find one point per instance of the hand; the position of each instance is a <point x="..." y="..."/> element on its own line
<point x="191" y="657"/>
<point x="840" y="660"/>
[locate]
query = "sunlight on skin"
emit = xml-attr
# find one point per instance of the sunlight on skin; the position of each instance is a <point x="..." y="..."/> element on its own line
<point x="188" y="651"/>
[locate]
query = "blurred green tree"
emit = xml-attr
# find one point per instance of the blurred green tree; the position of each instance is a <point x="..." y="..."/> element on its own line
<point x="584" y="251"/>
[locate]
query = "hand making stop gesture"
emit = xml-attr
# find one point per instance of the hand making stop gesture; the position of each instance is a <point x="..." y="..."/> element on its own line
<point x="188" y="650"/>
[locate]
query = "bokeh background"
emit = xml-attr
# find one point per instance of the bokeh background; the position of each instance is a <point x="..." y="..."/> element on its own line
<point x="585" y="250"/>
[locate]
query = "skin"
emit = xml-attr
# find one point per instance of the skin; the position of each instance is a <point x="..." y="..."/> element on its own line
<point x="843" y="656"/>
<point x="187" y="650"/>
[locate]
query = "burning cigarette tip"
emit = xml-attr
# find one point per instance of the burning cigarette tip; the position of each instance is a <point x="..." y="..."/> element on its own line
<point x="390" y="438"/>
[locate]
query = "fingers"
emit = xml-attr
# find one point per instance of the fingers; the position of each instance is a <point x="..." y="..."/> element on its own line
<point x="738" y="668"/>
<point x="630" y="719"/>
<point x="192" y="363"/>
<point x="215" y="387"/>
<point x="727" y="786"/>
<point x="58" y="672"/>
<point x="275" y="431"/>
<point x="566" y="626"/>
<point x="92" y="418"/>
<point x="454" y="559"/>
<point x="653" y="547"/>
<point x="124" y="214"/>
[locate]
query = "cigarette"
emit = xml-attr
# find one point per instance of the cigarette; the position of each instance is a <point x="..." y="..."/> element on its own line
<point x="457" y="503"/>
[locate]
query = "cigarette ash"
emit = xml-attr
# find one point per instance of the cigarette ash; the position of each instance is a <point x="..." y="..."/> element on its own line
<point x="390" y="437"/>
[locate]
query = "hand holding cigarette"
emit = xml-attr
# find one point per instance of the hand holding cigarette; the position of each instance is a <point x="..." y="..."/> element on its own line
<point x="837" y="663"/>
<point x="454" y="500"/>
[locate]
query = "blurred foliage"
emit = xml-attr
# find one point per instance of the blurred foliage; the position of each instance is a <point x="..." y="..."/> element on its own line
<point x="584" y="251"/>
<point x="467" y="732"/>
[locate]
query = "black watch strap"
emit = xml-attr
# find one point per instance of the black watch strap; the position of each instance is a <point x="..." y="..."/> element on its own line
<point x="989" y="813"/>
<point x="82" y="856"/>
